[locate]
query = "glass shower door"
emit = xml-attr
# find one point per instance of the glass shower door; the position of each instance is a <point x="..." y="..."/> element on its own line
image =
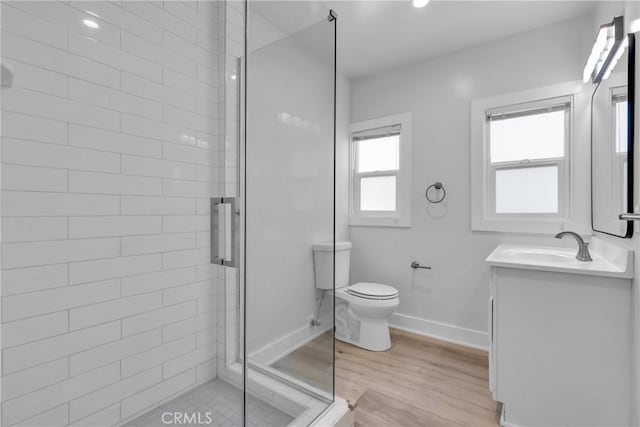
<point x="289" y="203"/>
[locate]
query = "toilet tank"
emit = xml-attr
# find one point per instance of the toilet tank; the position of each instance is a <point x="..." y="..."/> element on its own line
<point x="323" y="264"/>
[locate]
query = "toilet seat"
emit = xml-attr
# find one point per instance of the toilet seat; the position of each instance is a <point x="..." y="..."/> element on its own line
<point x="373" y="291"/>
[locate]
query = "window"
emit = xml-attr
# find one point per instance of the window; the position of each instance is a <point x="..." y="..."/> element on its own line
<point x="380" y="171"/>
<point x="521" y="156"/>
<point x="620" y="137"/>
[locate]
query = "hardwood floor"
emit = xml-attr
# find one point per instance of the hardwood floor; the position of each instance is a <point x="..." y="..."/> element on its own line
<point x="419" y="382"/>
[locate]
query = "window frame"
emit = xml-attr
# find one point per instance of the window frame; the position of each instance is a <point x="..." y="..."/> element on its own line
<point x="401" y="217"/>
<point x="483" y="204"/>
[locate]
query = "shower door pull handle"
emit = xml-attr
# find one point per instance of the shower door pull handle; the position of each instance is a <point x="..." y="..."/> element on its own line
<point x="629" y="217"/>
<point x="223" y="222"/>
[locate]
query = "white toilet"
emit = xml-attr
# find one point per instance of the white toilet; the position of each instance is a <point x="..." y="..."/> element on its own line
<point x="362" y="309"/>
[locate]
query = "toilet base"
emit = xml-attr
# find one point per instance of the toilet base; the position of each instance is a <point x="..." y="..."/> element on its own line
<point x="374" y="336"/>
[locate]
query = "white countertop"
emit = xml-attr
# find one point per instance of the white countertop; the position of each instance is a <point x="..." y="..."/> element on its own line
<point x="608" y="260"/>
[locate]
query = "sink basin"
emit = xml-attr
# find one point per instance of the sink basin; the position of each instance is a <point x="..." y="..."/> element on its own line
<point x="607" y="261"/>
<point x="541" y="255"/>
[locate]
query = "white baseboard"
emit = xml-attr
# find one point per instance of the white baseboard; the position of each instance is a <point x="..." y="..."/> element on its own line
<point x="288" y="343"/>
<point x="442" y="331"/>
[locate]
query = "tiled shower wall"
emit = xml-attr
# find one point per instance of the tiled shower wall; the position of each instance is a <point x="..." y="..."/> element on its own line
<point x="109" y="156"/>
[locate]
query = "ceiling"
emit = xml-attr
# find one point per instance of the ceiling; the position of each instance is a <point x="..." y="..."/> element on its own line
<point x="376" y="36"/>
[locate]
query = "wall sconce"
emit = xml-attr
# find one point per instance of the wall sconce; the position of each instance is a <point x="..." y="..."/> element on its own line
<point x="607" y="50"/>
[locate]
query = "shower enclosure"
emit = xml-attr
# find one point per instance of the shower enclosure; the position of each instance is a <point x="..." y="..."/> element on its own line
<point x="166" y="168"/>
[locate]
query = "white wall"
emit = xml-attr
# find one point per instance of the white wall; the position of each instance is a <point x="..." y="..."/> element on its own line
<point x="109" y="140"/>
<point x="438" y="94"/>
<point x="290" y="176"/>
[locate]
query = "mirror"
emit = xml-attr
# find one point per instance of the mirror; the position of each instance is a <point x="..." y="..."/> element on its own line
<point x="612" y="148"/>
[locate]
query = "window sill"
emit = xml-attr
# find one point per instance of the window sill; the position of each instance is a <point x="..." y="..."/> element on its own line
<point x="379" y="222"/>
<point x="526" y="226"/>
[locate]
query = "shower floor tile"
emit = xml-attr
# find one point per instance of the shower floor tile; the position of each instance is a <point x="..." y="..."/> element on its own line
<point x="223" y="403"/>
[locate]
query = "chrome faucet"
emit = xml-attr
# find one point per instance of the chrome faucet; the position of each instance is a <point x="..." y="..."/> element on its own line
<point x="583" y="248"/>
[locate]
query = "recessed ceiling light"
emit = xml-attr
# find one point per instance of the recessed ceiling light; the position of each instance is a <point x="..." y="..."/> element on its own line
<point x="91" y="24"/>
<point x="420" y="3"/>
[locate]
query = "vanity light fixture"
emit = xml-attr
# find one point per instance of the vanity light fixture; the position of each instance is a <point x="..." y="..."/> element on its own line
<point x="419" y="3"/>
<point x="91" y="24"/>
<point x="607" y="49"/>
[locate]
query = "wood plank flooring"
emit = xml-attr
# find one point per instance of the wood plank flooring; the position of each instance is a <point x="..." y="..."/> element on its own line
<point x="419" y="382"/>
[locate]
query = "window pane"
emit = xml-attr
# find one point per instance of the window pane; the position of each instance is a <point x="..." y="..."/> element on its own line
<point x="527" y="190"/>
<point x="378" y="154"/>
<point x="621" y="126"/>
<point x="378" y="193"/>
<point x="536" y="136"/>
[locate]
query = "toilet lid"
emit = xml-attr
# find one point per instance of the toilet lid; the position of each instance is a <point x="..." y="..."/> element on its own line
<point x="372" y="291"/>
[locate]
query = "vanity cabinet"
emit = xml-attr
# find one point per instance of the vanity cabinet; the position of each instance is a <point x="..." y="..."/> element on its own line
<point x="560" y="346"/>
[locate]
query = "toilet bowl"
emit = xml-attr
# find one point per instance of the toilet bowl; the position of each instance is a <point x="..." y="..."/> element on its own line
<point x="362" y="309"/>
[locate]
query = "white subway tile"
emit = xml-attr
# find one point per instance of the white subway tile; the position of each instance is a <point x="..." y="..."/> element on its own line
<point x="157" y="92"/>
<point x="207" y="337"/>
<point x="206" y="371"/>
<point x="15" y="255"/>
<point x="160" y="130"/>
<point x="159" y="17"/>
<point x="32" y="27"/>
<point x="184" y="153"/>
<point x="147" y="205"/>
<point x="155" y="319"/>
<point x="189" y="326"/>
<point x="189" y="14"/>
<point x="189" y="50"/>
<point x="89" y="271"/>
<point x="16" y="203"/>
<point x="186" y="258"/>
<point x="36" y="78"/>
<point x="140" y="47"/>
<point x="95" y="314"/>
<point x="186" y="188"/>
<point x="35" y="378"/>
<point x="133" y="165"/>
<point x="63" y="298"/>
<point x="157" y="281"/>
<point x="33" y="279"/>
<point x="21" y="229"/>
<point x="156" y="356"/>
<point x="47" y="398"/>
<point x="113" y="393"/>
<point x="34" y="328"/>
<point x="157" y="393"/>
<point x="56" y="417"/>
<point x="114" y="57"/>
<point x="53" y="107"/>
<point x="33" y="128"/>
<point x="189" y="292"/>
<point x="104" y="226"/>
<point x="188" y="361"/>
<point x="99" y="139"/>
<point x="185" y="223"/>
<point x="188" y="119"/>
<point x="104" y="183"/>
<point x="58" y="156"/>
<point x="207" y="107"/>
<point x="61" y="61"/>
<point x="15" y="177"/>
<point x="68" y="18"/>
<point x="112" y="352"/>
<point x="190" y="85"/>
<point x="93" y="94"/>
<point x="122" y="18"/>
<point x="136" y="245"/>
<point x="35" y="353"/>
<point x="107" y="417"/>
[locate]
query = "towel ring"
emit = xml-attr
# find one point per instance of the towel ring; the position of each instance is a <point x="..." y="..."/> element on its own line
<point x="438" y="186"/>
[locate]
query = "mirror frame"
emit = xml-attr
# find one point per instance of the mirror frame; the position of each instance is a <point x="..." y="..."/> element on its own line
<point x="631" y="90"/>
